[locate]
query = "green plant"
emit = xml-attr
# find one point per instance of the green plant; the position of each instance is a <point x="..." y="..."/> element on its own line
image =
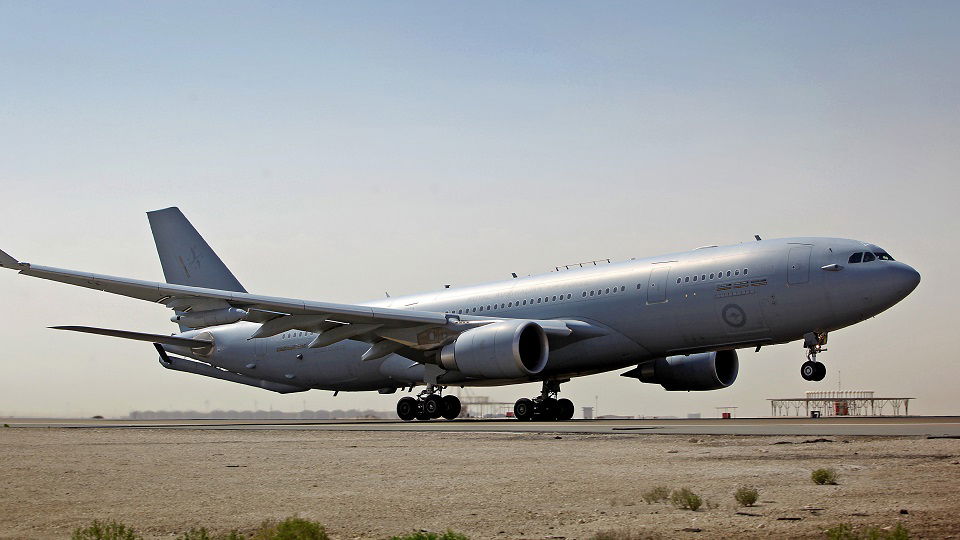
<point x="746" y="496"/>
<point x="423" y="535"/>
<point x="846" y="532"/>
<point x="656" y="494"/>
<point x="196" y="534"/>
<point x="824" y="477"/>
<point x="685" y="499"/>
<point x="110" y="530"/>
<point x="292" y="528"/>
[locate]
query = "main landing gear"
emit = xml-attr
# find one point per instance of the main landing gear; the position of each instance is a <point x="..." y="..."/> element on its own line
<point x="546" y="406"/>
<point x="428" y="405"/>
<point x="812" y="370"/>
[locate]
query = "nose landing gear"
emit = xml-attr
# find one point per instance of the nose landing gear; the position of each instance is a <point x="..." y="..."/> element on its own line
<point x="812" y="370"/>
<point x="546" y="406"/>
<point x="428" y="405"/>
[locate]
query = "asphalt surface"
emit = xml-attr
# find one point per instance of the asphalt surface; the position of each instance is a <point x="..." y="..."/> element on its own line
<point x="928" y="426"/>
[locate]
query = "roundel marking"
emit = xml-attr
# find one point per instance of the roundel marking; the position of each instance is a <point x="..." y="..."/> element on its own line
<point x="734" y="315"/>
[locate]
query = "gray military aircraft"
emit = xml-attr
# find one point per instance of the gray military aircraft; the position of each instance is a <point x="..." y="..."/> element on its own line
<point x="677" y="319"/>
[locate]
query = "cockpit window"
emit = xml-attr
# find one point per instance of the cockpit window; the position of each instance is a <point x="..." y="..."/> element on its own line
<point x="869" y="257"/>
<point x="883" y="256"/>
<point x="855" y="258"/>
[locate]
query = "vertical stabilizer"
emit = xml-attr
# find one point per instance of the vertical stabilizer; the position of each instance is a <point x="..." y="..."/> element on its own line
<point x="185" y="256"/>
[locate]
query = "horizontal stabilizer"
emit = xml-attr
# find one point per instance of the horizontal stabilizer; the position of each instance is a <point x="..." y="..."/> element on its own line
<point x="7" y="261"/>
<point x="140" y="336"/>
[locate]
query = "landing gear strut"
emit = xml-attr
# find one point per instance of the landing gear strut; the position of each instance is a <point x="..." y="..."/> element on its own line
<point x="812" y="370"/>
<point x="429" y="404"/>
<point x="546" y="406"/>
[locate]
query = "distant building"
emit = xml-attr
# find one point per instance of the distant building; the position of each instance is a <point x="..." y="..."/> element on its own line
<point x="840" y="403"/>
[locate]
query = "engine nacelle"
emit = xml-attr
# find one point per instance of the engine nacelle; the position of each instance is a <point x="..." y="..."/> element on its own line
<point x="213" y="317"/>
<point x="503" y="350"/>
<point x="703" y="371"/>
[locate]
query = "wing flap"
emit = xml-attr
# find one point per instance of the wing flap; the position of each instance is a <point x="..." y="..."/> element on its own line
<point x="165" y="292"/>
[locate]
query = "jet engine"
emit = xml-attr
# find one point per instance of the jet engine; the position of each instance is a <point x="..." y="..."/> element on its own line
<point x="703" y="371"/>
<point x="503" y="350"/>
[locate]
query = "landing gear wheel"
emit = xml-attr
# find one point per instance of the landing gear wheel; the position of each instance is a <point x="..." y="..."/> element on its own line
<point x="407" y="408"/>
<point x="809" y="370"/>
<point x="450" y="407"/>
<point x="432" y="406"/>
<point x="564" y="409"/>
<point x="523" y="409"/>
<point x="548" y="410"/>
<point x="820" y="371"/>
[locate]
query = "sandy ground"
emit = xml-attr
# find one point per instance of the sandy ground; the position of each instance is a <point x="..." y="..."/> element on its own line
<point x="492" y="485"/>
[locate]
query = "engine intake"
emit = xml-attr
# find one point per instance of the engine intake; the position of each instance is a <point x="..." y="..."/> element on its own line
<point x="503" y="350"/>
<point x="703" y="371"/>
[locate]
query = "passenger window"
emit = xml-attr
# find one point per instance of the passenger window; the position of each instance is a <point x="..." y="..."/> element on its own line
<point x="855" y="258"/>
<point x="678" y="281"/>
<point x="591" y="293"/>
<point x="728" y="273"/>
<point x="694" y="278"/>
<point x="524" y="302"/>
<point x="737" y="273"/>
<point x="686" y="279"/>
<point x="555" y="298"/>
<point x="608" y="290"/>
<point x="638" y="285"/>
<point x="744" y="271"/>
<point x="711" y="275"/>
<point x="568" y="296"/>
<point x="584" y="294"/>
<point x="869" y="257"/>
<point x="622" y="288"/>
<point x="703" y="277"/>
<point x="509" y="304"/>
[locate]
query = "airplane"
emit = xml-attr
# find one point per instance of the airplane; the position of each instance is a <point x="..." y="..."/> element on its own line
<point x="677" y="320"/>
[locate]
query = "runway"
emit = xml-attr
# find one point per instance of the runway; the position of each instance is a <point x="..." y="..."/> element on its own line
<point x="914" y="426"/>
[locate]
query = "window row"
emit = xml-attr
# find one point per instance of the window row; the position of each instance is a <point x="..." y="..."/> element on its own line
<point x="540" y="300"/>
<point x="712" y="275"/>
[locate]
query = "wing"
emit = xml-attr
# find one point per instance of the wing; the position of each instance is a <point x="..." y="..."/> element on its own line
<point x="388" y="330"/>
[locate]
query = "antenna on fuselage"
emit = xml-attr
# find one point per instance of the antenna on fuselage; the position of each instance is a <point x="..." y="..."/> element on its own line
<point x="757" y="236"/>
<point x="514" y="274"/>
<point x="386" y="293"/>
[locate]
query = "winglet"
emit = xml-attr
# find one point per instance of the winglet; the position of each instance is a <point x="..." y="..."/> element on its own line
<point x="7" y="261"/>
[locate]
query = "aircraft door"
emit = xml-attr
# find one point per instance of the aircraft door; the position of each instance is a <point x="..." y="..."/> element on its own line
<point x="798" y="265"/>
<point x="657" y="286"/>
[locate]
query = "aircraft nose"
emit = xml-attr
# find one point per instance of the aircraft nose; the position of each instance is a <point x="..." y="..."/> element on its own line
<point x="904" y="278"/>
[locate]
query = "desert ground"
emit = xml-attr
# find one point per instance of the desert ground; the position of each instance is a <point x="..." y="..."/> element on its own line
<point x="485" y="485"/>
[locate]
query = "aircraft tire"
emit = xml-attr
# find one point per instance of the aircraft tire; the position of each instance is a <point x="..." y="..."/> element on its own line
<point x="820" y="371"/>
<point x="548" y="410"/>
<point x="523" y="409"/>
<point x="407" y="408"/>
<point x="433" y="406"/>
<point x="565" y="409"/>
<point x="808" y="370"/>
<point x="451" y="407"/>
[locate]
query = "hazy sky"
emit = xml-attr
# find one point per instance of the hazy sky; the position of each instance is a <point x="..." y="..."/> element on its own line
<point x="334" y="151"/>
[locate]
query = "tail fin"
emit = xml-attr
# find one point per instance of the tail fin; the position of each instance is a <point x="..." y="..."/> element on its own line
<point x="185" y="256"/>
